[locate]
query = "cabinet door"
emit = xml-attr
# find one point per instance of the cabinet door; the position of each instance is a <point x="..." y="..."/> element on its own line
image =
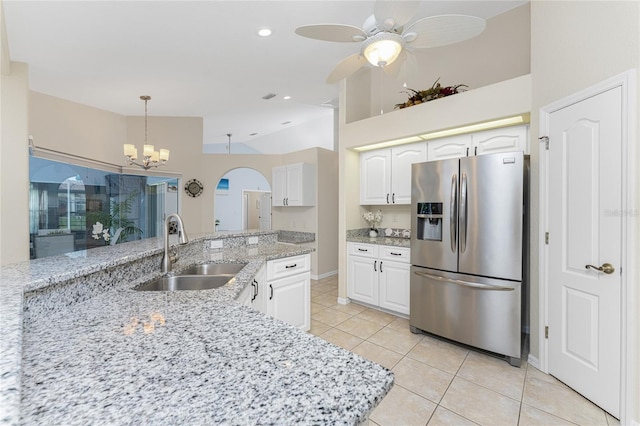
<point x="506" y="139"/>
<point x="259" y="299"/>
<point x="363" y="279"/>
<point x="402" y="158"/>
<point x="279" y="185"/>
<point x="451" y="147"/>
<point x="394" y="286"/>
<point x="375" y="177"/>
<point x="289" y="300"/>
<point x="294" y="185"/>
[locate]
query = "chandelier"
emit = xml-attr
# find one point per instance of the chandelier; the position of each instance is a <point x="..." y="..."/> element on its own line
<point x="150" y="157"/>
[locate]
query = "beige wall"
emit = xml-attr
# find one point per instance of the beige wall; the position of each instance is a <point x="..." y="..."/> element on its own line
<point x="69" y="127"/>
<point x="327" y="235"/>
<point x="183" y="137"/>
<point x="14" y="163"/>
<point x="576" y="44"/>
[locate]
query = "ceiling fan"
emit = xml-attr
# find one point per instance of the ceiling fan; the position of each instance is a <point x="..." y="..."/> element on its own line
<point x="386" y="43"/>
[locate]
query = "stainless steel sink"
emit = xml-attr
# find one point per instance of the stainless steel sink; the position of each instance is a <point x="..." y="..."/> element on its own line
<point x="214" y="269"/>
<point x="186" y="282"/>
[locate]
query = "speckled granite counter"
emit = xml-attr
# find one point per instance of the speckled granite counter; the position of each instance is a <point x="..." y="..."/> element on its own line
<point x="209" y="360"/>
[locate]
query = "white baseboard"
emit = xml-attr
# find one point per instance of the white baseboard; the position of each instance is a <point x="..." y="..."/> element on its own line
<point x="325" y="275"/>
<point x="344" y="300"/>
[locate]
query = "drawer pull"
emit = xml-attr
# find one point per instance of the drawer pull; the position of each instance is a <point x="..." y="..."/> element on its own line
<point x="361" y="249"/>
<point x="396" y="254"/>
<point x="271" y="295"/>
<point x="291" y="266"/>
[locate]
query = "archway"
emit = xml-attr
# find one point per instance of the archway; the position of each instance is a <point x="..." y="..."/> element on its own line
<point x="242" y="201"/>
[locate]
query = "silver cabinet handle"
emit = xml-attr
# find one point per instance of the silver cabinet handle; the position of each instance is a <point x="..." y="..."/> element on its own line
<point x="463" y="214"/>
<point x="607" y="268"/>
<point x="453" y="213"/>
<point x="463" y="283"/>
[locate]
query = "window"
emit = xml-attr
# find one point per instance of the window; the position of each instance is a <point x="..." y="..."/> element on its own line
<point x="76" y="208"/>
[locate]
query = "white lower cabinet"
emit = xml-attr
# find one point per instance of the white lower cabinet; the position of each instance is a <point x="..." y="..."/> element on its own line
<point x="379" y="276"/>
<point x="287" y="292"/>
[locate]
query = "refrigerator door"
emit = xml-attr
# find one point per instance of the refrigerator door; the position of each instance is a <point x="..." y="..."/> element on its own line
<point x="434" y="192"/>
<point x="491" y="215"/>
<point x="477" y="311"/>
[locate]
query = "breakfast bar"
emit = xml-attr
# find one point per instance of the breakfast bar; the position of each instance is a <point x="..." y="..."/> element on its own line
<point x="96" y="352"/>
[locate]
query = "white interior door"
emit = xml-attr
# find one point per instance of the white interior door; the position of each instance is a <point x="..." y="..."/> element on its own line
<point x="584" y="224"/>
<point x="265" y="211"/>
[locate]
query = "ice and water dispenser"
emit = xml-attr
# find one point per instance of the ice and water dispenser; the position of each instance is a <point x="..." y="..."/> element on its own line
<point x="429" y="224"/>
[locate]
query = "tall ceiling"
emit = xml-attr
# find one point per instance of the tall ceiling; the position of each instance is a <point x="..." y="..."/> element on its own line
<point x="195" y="58"/>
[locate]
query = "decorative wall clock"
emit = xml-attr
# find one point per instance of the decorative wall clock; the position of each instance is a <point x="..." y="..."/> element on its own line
<point x="193" y="187"/>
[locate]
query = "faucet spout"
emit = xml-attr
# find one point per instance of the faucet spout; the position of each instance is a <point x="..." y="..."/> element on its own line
<point x="167" y="259"/>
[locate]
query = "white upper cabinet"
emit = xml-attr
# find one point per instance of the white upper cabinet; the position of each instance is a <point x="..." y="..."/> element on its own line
<point x="506" y="139"/>
<point x="402" y="157"/>
<point x="375" y="176"/>
<point x="385" y="174"/>
<point x="294" y="185"/>
<point x="451" y="147"/>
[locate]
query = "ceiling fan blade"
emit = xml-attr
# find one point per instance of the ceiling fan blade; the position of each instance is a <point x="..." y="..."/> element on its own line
<point x="400" y="11"/>
<point x="332" y="32"/>
<point x="346" y="67"/>
<point x="442" y="30"/>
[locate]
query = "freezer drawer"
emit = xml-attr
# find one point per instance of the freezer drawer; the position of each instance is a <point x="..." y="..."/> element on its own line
<point x="480" y="312"/>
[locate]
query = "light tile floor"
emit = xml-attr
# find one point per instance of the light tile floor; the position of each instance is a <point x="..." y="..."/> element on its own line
<point x="439" y="383"/>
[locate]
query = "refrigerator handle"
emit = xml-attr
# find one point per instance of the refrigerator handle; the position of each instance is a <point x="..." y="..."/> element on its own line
<point x="453" y="213"/>
<point x="463" y="213"/>
<point x="479" y="286"/>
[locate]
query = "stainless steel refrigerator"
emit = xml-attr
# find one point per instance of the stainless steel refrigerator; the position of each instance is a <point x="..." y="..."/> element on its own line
<point x="468" y="250"/>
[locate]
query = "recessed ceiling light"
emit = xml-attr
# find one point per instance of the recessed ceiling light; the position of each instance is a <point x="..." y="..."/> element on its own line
<point x="285" y="123"/>
<point x="286" y="97"/>
<point x="252" y="134"/>
<point x="264" y="32"/>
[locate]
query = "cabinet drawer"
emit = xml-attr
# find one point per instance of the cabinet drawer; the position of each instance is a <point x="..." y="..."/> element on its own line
<point x="288" y="266"/>
<point x="398" y="254"/>
<point x="361" y="249"/>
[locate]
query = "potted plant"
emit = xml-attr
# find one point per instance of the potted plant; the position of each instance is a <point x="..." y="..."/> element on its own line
<point x="373" y="219"/>
<point x="114" y="226"/>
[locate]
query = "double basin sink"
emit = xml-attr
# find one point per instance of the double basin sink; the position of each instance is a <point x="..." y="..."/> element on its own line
<point x="197" y="277"/>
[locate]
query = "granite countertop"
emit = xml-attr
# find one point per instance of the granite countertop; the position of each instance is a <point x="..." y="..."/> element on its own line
<point x="208" y="359"/>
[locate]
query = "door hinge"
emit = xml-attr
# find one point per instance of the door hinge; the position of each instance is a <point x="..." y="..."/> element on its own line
<point x="546" y="238"/>
<point x="545" y="139"/>
<point x="546" y="331"/>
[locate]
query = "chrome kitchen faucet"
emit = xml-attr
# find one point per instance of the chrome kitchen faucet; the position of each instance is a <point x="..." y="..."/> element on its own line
<point x="167" y="258"/>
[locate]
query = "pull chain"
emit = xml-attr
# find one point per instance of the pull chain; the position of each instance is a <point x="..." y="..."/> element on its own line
<point x="381" y="90"/>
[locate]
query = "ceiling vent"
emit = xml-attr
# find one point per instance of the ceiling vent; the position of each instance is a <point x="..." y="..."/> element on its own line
<point x="269" y="96"/>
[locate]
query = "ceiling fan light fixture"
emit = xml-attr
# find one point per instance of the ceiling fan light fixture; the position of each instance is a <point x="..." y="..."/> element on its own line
<point x="383" y="48"/>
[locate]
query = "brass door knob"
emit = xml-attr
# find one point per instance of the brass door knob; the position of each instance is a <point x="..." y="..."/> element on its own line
<point x="607" y="268"/>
